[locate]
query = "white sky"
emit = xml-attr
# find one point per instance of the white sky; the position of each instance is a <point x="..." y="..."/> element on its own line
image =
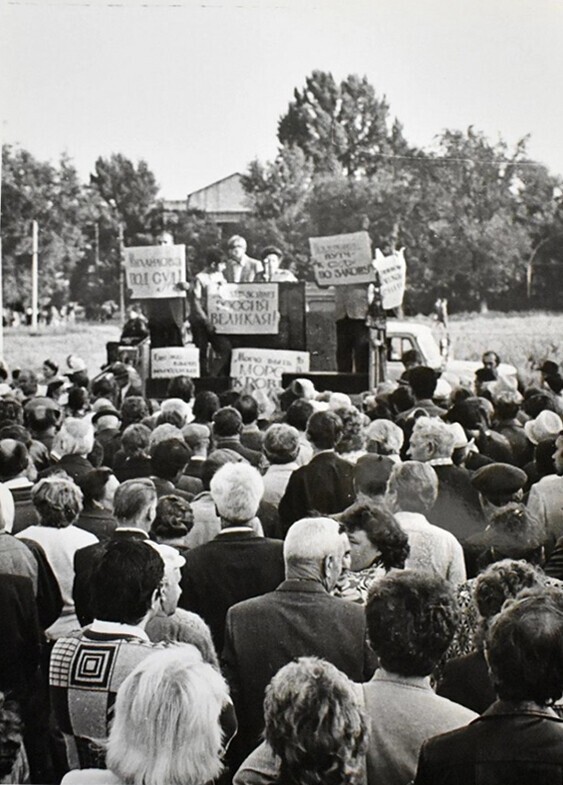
<point x="197" y="89"/>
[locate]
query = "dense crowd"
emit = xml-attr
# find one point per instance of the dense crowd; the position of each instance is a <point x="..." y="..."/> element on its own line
<point x="300" y="588"/>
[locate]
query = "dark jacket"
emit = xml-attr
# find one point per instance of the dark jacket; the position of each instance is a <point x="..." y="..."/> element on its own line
<point x="234" y="566"/>
<point x="97" y="521"/>
<point x="19" y="636"/>
<point x="510" y="744"/>
<point x="466" y="681"/>
<point x="299" y="618"/>
<point x="324" y="485"/>
<point x="457" y="508"/>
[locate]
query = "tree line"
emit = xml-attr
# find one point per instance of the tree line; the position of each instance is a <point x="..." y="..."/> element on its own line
<point x="481" y="223"/>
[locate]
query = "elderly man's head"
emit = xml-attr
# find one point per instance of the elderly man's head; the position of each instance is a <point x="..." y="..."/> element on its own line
<point x="134" y="503"/>
<point x="236" y="489"/>
<point x="236" y="246"/>
<point x="316" y="549"/>
<point x="14" y="459"/>
<point x="431" y="439"/>
<point x="412" y="487"/>
<point x="411" y="619"/>
<point x="524" y="649"/>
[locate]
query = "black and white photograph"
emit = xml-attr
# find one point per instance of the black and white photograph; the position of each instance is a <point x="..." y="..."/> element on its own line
<point x="281" y="392"/>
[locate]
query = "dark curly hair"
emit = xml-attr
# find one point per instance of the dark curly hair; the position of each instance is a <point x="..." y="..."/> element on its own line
<point x="411" y="619"/>
<point x="382" y="531"/>
<point x="10" y="736"/>
<point x="525" y="649"/>
<point x="353" y="436"/>
<point x="174" y="518"/>
<point x="502" y="581"/>
<point x="314" y="724"/>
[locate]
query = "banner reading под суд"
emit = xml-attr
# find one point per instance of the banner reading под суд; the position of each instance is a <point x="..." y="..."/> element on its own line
<point x="154" y="271"/>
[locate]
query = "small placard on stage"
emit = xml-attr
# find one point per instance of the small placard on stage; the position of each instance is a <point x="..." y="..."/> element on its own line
<point x="154" y="271"/>
<point x="171" y="361"/>
<point x="244" y="308"/>
<point x="261" y="369"/>
<point x="342" y="259"/>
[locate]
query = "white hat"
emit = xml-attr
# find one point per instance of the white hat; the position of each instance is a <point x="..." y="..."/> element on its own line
<point x="74" y="363"/>
<point x="546" y="426"/>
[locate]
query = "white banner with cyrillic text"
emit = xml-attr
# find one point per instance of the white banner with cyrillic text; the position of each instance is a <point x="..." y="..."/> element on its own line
<point x="261" y="369"/>
<point x="392" y="278"/>
<point x="244" y="308"/>
<point x="171" y="361"/>
<point x="154" y="271"/>
<point x="342" y="259"/>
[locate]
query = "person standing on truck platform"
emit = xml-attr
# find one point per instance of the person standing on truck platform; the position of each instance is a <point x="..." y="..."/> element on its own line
<point x="240" y="267"/>
<point x="352" y="333"/>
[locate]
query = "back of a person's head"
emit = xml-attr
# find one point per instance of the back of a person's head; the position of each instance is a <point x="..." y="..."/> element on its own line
<point x="324" y="430"/>
<point x="124" y="580"/>
<point x="281" y="443"/>
<point x="411" y="619"/>
<point x="196" y="435"/>
<point x="17" y="432"/>
<point x="167" y="721"/>
<point x="104" y="387"/>
<point x="311" y="540"/>
<point x="413" y="486"/>
<point x="384" y="437"/>
<point x="135" y="439"/>
<point x="162" y="433"/>
<point x="177" y="406"/>
<point x="132" y="499"/>
<point x="524" y="649"/>
<point x="206" y="403"/>
<point x="237" y="489"/>
<point x="93" y="483"/>
<point x="298" y="413"/>
<point x="371" y="473"/>
<point x="422" y="381"/>
<point x="314" y="724"/>
<point x="502" y="581"/>
<point x="174" y="517"/>
<point x="247" y="405"/>
<point x="58" y="500"/>
<point x="78" y="398"/>
<point x="76" y="437"/>
<point x="436" y="434"/>
<point x="27" y="382"/>
<point x="227" y="422"/>
<point x="133" y="409"/>
<point x="214" y="461"/>
<point x="181" y="387"/>
<point x="14" y="458"/>
<point x="11" y="411"/>
<point x="169" y="457"/>
<point x="515" y="533"/>
<point x="352" y="437"/>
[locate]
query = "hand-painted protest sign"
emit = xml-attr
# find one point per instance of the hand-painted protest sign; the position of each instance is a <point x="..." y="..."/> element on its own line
<point x="171" y="361"/>
<point x="237" y="309"/>
<point x="342" y="259"/>
<point x="261" y="369"/>
<point x="392" y="277"/>
<point x="153" y="271"/>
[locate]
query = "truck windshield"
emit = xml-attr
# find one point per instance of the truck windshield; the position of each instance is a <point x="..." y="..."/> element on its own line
<point x="430" y="349"/>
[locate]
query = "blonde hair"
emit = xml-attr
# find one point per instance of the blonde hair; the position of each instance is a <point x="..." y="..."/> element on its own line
<point x="166" y="729"/>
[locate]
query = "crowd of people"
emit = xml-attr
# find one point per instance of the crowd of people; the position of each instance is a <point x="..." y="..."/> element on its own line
<point x="328" y="589"/>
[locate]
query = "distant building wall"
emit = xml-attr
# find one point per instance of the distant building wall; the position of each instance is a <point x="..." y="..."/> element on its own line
<point x="224" y="201"/>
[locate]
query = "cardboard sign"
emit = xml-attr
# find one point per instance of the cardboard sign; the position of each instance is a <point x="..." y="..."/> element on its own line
<point x="171" y="361"/>
<point x="392" y="277"/>
<point x="342" y="259"/>
<point x="239" y="308"/>
<point x="261" y="369"/>
<point x="153" y="271"/>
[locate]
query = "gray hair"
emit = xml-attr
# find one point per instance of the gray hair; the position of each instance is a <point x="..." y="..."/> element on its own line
<point x="237" y="489"/>
<point x="414" y="485"/>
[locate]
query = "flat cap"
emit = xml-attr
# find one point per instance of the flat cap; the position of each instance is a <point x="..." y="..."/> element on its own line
<point x="499" y="480"/>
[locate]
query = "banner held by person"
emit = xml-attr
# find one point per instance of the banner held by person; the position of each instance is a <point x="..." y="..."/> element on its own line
<point x="238" y="309"/>
<point x="342" y="259"/>
<point x="392" y="278"/>
<point x="154" y="271"/>
<point x="171" y="361"/>
<point x="262" y="369"/>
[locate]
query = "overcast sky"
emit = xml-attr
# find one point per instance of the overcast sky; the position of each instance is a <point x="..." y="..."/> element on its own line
<point x="197" y="89"/>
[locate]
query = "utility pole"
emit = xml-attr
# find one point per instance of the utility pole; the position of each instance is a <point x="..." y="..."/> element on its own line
<point x="34" y="275"/>
<point x="121" y="275"/>
<point x="1" y="282"/>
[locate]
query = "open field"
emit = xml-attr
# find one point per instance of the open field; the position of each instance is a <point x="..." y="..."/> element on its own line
<point x="519" y="338"/>
<point x="88" y="340"/>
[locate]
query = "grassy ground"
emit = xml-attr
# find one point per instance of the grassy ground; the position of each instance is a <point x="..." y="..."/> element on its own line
<point x="519" y="338"/>
<point x="87" y="340"/>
